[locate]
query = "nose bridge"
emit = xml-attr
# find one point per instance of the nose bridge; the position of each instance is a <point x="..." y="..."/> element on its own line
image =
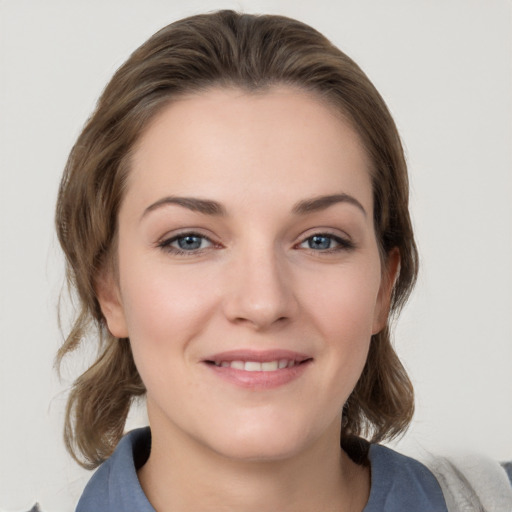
<point x="261" y="291"/>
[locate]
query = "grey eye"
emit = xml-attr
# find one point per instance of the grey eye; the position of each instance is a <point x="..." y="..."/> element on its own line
<point x="190" y="242"/>
<point x="326" y="242"/>
<point x="319" y="242"/>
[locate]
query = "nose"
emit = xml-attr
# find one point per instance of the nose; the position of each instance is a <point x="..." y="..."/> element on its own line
<point x="260" y="293"/>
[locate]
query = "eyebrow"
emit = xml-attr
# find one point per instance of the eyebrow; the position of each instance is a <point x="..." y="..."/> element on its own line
<point x="204" y="206"/>
<point x="210" y="207"/>
<point x="323" y="202"/>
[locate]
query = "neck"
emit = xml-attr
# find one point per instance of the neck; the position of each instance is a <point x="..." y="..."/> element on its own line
<point x="184" y="475"/>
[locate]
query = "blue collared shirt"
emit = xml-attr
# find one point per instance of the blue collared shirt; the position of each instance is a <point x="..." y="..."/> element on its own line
<point x="399" y="483"/>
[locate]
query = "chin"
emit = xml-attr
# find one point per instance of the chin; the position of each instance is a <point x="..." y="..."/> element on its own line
<point x="261" y="442"/>
<point x="259" y="450"/>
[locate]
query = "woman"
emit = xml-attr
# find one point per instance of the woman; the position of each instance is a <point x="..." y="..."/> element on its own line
<point x="235" y="221"/>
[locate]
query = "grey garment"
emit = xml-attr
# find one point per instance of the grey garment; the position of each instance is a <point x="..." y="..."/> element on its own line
<point x="399" y="483"/>
<point x="472" y="483"/>
<point x="507" y="466"/>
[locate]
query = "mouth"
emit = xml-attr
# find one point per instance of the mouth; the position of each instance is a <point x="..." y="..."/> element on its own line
<point x="254" y="369"/>
<point x="257" y="366"/>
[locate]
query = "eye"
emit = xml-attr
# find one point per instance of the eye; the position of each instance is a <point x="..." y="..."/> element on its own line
<point x="186" y="243"/>
<point x="326" y="242"/>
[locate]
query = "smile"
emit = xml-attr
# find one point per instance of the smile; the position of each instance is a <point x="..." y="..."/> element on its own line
<point x="256" y="366"/>
<point x="259" y="369"/>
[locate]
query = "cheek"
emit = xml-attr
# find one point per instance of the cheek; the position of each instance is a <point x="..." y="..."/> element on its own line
<point x="345" y="301"/>
<point x="343" y="308"/>
<point x="163" y="318"/>
<point x="165" y="308"/>
<point x="158" y="295"/>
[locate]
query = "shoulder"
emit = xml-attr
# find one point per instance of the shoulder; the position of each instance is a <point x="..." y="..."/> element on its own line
<point x="507" y="466"/>
<point x="473" y="482"/>
<point x="400" y="483"/>
<point x="468" y="482"/>
<point x="114" y="487"/>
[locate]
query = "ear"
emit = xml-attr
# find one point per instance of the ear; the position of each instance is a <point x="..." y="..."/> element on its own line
<point x="109" y="297"/>
<point x="388" y="278"/>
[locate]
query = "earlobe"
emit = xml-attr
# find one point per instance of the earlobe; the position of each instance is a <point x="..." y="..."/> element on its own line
<point x="111" y="305"/>
<point x="389" y="275"/>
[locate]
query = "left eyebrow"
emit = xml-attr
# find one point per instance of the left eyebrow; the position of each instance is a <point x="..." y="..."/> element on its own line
<point x="323" y="202"/>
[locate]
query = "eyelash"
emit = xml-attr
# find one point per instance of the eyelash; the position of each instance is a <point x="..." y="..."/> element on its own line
<point x="343" y="244"/>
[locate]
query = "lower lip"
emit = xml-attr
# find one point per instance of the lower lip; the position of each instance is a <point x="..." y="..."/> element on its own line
<point x="260" y="380"/>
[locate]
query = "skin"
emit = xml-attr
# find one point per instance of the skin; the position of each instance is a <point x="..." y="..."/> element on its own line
<point x="251" y="278"/>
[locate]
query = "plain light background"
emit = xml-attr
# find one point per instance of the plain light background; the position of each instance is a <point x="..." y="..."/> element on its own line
<point x="445" y="69"/>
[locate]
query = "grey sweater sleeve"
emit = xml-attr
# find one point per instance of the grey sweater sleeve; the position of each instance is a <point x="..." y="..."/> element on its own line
<point x="508" y="469"/>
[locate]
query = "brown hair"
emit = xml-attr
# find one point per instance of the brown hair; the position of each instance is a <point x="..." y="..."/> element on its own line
<point x="227" y="49"/>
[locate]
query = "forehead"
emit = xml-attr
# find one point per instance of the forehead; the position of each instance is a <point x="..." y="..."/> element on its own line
<point x="281" y="142"/>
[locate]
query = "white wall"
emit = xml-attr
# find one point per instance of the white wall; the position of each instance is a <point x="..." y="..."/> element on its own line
<point x="445" y="69"/>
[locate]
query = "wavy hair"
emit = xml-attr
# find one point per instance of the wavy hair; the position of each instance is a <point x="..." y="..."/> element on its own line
<point x="251" y="52"/>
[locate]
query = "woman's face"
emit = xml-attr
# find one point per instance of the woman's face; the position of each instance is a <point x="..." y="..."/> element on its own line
<point x="249" y="274"/>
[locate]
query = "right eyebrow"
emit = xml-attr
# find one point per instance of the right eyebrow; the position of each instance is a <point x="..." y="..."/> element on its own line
<point x="204" y="206"/>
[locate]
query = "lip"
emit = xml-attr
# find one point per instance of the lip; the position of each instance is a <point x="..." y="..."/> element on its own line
<point x="258" y="379"/>
<point x="260" y="356"/>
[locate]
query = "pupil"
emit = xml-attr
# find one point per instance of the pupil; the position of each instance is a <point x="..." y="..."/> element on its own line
<point x="189" y="242"/>
<point x="320" y="242"/>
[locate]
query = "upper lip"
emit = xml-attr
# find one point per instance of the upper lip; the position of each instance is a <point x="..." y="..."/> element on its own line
<point x="261" y="356"/>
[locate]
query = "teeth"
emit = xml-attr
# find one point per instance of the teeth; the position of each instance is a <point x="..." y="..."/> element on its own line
<point x="256" y="366"/>
<point x="271" y="366"/>
<point x="252" y="366"/>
